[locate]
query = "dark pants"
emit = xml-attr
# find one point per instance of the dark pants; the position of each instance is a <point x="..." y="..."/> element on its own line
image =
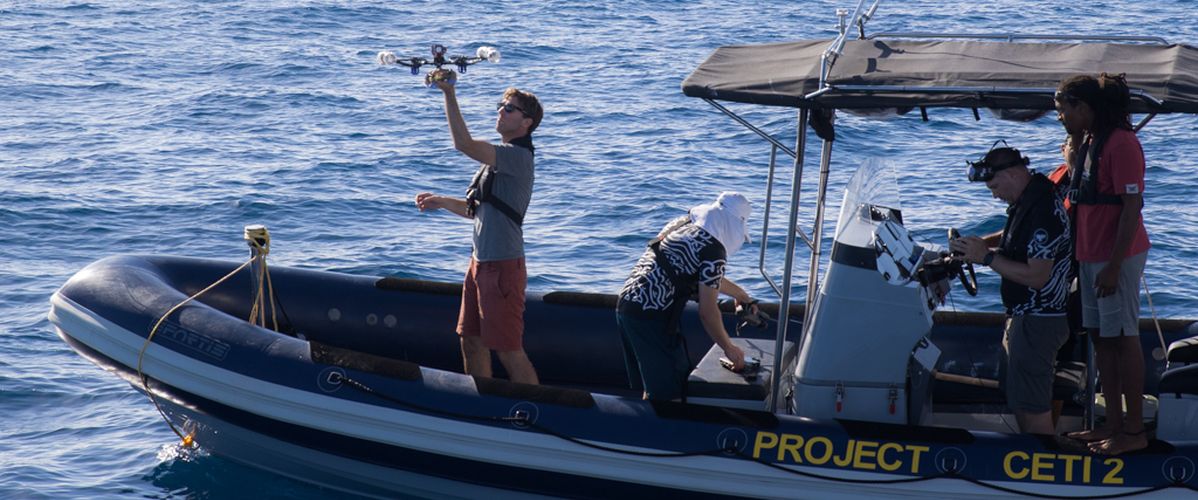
<point x="654" y="356"/>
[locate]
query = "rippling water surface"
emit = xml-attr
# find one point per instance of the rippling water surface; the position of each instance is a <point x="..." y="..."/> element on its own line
<point x="166" y="128"/>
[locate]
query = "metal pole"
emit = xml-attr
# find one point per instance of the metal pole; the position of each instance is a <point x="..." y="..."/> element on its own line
<point x="813" y="277"/>
<point x="1143" y="122"/>
<point x="828" y="58"/>
<point x="745" y="123"/>
<point x="765" y="222"/>
<point x="791" y="228"/>
<point x="1091" y="383"/>
<point x="1011" y="37"/>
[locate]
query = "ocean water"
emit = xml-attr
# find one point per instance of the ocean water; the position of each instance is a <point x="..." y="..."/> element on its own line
<point x="165" y="127"/>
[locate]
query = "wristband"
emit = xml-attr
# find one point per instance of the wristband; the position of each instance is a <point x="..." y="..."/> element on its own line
<point x="988" y="259"/>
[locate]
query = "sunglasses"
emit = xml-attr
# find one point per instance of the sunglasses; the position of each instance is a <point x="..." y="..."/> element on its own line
<point x="509" y="107"/>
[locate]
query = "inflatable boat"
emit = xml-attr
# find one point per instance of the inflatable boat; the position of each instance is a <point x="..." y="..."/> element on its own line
<point x="865" y="389"/>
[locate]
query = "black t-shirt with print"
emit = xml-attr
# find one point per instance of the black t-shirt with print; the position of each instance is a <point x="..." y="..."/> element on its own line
<point x="693" y="252"/>
<point x="1037" y="228"/>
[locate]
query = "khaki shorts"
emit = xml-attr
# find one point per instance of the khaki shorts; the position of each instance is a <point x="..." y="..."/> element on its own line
<point x="1031" y="343"/>
<point x="493" y="303"/>
<point x="1119" y="313"/>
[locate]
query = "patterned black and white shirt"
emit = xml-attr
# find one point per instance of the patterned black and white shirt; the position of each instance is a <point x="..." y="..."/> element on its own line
<point x="1038" y="228"/>
<point x="694" y="253"/>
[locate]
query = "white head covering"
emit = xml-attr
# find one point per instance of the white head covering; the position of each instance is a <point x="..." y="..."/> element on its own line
<point x="726" y="218"/>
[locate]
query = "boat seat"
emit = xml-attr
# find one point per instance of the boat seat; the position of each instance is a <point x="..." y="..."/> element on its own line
<point x="1183" y="352"/>
<point x="1182" y="380"/>
<point x="1069" y="380"/>
<point x="712" y="384"/>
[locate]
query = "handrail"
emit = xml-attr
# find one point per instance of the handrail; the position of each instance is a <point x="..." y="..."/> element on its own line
<point x="770" y="139"/>
<point x="1143" y="121"/>
<point x="751" y="127"/>
<point x="765" y="222"/>
<point x="1010" y="37"/>
<point x="825" y="161"/>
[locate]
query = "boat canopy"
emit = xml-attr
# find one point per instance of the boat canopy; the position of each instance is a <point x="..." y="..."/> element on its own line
<point x="905" y="74"/>
<point x="890" y="73"/>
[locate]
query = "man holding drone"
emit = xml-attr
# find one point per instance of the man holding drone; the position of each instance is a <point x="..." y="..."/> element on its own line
<point x="492" y="312"/>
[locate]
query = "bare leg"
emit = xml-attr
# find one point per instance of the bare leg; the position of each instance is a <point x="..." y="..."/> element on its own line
<point x="476" y="358"/>
<point x="1105" y="354"/>
<point x="1035" y="423"/>
<point x="1131" y="370"/>
<point x="518" y="366"/>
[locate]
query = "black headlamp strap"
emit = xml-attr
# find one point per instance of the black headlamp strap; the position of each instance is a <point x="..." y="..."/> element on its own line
<point x="983" y="170"/>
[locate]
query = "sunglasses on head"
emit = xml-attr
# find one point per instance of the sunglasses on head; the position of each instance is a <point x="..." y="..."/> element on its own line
<point x="982" y="170"/>
<point x="1063" y="96"/>
<point x="508" y="107"/>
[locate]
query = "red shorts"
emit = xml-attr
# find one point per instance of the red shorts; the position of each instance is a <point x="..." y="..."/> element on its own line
<point x="493" y="303"/>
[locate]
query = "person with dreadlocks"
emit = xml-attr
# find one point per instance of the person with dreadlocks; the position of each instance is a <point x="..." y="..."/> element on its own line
<point x="1107" y="188"/>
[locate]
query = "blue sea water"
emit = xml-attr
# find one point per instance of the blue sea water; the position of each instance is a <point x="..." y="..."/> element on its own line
<point x="165" y="127"/>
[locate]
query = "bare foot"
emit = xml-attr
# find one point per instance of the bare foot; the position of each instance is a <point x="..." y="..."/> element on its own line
<point x="1120" y="443"/>
<point x="1099" y="434"/>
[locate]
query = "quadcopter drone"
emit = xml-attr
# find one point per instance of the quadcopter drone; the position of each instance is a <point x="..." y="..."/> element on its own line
<point x="484" y="53"/>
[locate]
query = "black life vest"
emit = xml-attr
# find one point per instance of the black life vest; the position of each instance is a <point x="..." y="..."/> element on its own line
<point x="480" y="190"/>
<point x="1083" y="182"/>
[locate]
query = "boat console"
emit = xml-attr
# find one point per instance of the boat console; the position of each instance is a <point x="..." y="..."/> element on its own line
<point x="878" y="366"/>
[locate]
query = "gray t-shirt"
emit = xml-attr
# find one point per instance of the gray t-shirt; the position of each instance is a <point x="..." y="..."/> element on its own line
<point x="497" y="236"/>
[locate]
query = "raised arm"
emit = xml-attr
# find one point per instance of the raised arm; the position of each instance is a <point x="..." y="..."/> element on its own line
<point x="480" y="151"/>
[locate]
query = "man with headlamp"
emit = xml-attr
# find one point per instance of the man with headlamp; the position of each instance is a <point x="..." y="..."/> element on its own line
<point x="1033" y="259"/>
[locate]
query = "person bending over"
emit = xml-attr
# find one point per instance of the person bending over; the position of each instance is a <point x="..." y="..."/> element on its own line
<point x="686" y="258"/>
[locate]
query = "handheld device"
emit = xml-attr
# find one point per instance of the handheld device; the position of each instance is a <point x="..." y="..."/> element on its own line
<point x="752" y="364"/>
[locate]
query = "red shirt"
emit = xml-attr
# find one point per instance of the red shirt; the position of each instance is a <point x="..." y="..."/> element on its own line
<point x="1120" y="171"/>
